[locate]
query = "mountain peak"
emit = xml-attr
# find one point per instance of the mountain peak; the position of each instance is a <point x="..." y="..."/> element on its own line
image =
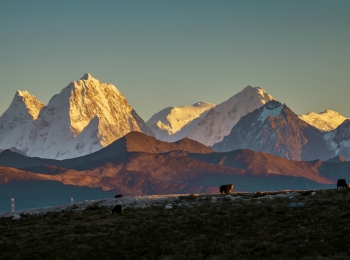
<point x="174" y="123"/>
<point x="324" y="121"/>
<point x="87" y="76"/>
<point x="250" y="87"/>
<point x="23" y="103"/>
<point x="84" y="117"/>
<point x="22" y="93"/>
<point x="219" y="121"/>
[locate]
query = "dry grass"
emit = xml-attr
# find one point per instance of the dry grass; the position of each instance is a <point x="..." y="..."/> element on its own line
<point x="250" y="227"/>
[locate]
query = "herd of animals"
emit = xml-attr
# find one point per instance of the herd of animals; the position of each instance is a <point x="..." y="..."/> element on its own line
<point x="224" y="189"/>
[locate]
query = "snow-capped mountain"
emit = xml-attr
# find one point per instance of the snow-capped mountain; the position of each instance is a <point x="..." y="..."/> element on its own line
<point x="16" y="122"/>
<point x="174" y="123"/>
<point x="84" y="117"/>
<point x="324" y="121"/>
<point x="218" y="122"/>
<point x="276" y="129"/>
<point x="338" y="140"/>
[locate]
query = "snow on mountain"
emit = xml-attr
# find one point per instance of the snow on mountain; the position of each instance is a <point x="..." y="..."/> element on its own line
<point x="338" y="140"/>
<point x="276" y="129"/>
<point x="174" y="123"/>
<point x="84" y="117"/>
<point x="16" y="121"/>
<point x="324" y="121"/>
<point x="219" y="121"/>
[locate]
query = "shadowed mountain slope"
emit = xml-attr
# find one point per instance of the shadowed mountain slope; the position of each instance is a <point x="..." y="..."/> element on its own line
<point x="263" y="164"/>
<point x="132" y="142"/>
<point x="276" y="129"/>
<point x="138" y="165"/>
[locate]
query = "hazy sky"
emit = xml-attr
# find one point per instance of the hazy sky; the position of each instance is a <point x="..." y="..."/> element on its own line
<point x="173" y="53"/>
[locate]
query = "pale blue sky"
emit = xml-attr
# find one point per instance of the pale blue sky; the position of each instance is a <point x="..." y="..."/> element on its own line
<point x="173" y="53"/>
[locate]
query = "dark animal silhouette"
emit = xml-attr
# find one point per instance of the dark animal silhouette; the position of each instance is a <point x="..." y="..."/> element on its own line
<point x="341" y="183"/>
<point x="306" y="193"/>
<point x="117" y="209"/>
<point x="227" y="188"/>
<point x="119" y="196"/>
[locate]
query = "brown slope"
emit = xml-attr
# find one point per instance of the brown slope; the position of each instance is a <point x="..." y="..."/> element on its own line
<point x="135" y="142"/>
<point x="263" y="164"/>
<point x="8" y="174"/>
<point x="140" y="173"/>
<point x="132" y="142"/>
<point x="138" y="142"/>
<point x="146" y="173"/>
<point x="149" y="173"/>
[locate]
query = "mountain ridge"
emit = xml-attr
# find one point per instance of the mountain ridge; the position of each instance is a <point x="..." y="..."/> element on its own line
<point x="324" y="121"/>
<point x="174" y="123"/>
<point x="97" y="110"/>
<point x="280" y="133"/>
<point x="219" y="121"/>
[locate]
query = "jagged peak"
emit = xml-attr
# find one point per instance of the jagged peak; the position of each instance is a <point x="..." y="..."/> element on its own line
<point x="330" y="111"/>
<point x="273" y="108"/>
<point x="248" y="90"/>
<point x="250" y="87"/>
<point x="87" y="76"/>
<point x="24" y="96"/>
<point x="324" y="121"/>
<point x="86" y="81"/>
<point x="24" y="103"/>
<point x="273" y="104"/>
<point x="327" y="111"/>
<point x="22" y="93"/>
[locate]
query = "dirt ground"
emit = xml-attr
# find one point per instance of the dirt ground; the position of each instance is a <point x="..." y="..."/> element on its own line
<point x="263" y="225"/>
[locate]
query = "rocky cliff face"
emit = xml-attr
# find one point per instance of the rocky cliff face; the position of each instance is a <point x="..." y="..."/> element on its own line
<point x="219" y="121"/>
<point x="276" y="129"/>
<point x="84" y="117"/>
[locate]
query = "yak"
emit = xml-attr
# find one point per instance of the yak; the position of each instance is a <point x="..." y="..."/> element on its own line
<point x="341" y="183"/>
<point x="119" y="196"/>
<point x="117" y="209"/>
<point x="227" y="188"/>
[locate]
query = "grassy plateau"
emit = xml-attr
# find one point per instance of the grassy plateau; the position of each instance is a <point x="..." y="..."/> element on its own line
<point x="262" y="225"/>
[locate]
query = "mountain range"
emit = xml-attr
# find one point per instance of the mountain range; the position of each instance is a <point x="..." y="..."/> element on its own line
<point x="84" y="117"/>
<point x="276" y="129"/>
<point x="137" y="164"/>
<point x="88" y="115"/>
<point x="166" y="167"/>
<point x="89" y="141"/>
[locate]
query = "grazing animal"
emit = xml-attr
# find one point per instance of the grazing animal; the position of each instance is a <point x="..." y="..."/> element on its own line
<point x="341" y="183"/>
<point x="227" y="188"/>
<point x="119" y="196"/>
<point x="306" y="193"/>
<point x="117" y="209"/>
